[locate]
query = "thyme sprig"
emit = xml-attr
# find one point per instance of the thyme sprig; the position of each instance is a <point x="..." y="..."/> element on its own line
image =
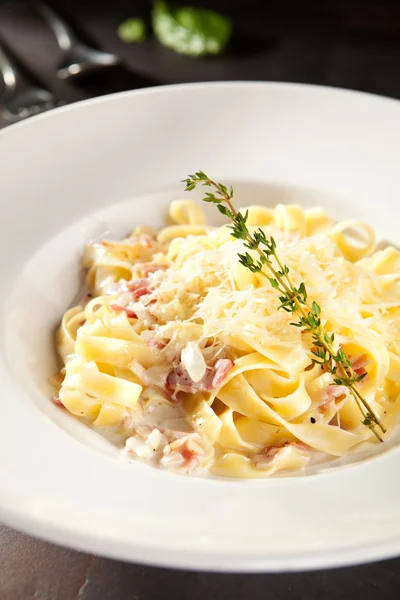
<point x="293" y="299"/>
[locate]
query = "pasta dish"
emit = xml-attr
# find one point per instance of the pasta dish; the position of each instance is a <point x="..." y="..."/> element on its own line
<point x="181" y="353"/>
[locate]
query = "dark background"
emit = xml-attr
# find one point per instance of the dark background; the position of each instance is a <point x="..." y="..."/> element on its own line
<point x="353" y="44"/>
<point x="339" y="43"/>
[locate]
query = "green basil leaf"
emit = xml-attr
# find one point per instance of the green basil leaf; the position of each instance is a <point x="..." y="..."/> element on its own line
<point x="191" y="31"/>
<point x="132" y="30"/>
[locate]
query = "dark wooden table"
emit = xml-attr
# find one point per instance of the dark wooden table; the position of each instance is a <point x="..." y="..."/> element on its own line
<point x="34" y="570"/>
<point x="348" y="44"/>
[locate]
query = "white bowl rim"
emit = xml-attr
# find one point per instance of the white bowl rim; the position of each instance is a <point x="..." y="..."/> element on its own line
<point x="156" y="89"/>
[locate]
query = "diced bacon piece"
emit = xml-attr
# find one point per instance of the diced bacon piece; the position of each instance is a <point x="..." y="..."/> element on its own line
<point x="360" y="372"/>
<point x="268" y="452"/>
<point x="188" y="447"/>
<point x="138" y="288"/>
<point x="180" y="381"/>
<point x="130" y="313"/>
<point x="127" y="422"/>
<point x="139" y="292"/>
<point x="148" y="268"/>
<point x="188" y="455"/>
<point x="154" y="343"/>
<point x="332" y="393"/>
<point x="302" y="446"/>
<point x="267" y="455"/>
<point x="222" y="368"/>
<point x="150" y="338"/>
<point x="56" y="400"/>
<point x="359" y="364"/>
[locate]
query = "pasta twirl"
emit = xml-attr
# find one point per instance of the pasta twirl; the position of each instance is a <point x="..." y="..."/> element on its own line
<point x="182" y="351"/>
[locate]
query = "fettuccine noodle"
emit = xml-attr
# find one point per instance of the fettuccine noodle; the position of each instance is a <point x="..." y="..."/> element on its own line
<point x="181" y="351"/>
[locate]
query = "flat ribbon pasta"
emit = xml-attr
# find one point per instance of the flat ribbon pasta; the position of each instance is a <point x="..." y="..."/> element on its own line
<point x="183" y="353"/>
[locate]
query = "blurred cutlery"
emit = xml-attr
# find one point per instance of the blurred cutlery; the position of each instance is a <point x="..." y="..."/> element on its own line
<point x="78" y="59"/>
<point x="19" y="99"/>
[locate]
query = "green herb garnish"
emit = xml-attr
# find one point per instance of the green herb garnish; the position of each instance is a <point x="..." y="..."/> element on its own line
<point x="132" y="30"/>
<point x="191" y="31"/>
<point x="292" y="299"/>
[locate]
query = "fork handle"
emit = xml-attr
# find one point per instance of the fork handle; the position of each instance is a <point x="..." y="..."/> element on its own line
<point x="9" y="72"/>
<point x="63" y="33"/>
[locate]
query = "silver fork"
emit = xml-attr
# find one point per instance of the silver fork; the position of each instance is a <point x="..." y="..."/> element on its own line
<point x="20" y="99"/>
<point x="77" y="58"/>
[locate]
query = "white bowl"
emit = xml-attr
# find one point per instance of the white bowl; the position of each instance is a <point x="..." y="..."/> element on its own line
<point x="117" y="161"/>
